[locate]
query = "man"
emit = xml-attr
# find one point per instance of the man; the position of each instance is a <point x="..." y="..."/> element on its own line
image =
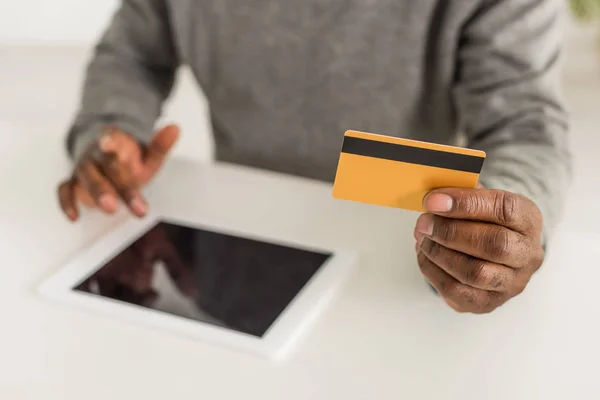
<point x="285" y="79"/>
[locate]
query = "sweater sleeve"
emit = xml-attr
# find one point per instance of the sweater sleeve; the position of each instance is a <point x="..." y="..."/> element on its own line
<point x="130" y="74"/>
<point x="509" y="103"/>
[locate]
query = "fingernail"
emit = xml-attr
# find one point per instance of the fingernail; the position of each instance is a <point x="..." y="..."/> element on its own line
<point x="417" y="247"/>
<point x="425" y="224"/>
<point x="437" y="202"/>
<point x="138" y="206"/>
<point x="108" y="202"/>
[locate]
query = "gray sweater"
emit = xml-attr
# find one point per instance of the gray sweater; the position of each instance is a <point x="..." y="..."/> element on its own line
<point x="285" y="79"/>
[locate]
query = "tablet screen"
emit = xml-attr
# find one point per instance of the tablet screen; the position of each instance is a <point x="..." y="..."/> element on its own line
<point x="229" y="281"/>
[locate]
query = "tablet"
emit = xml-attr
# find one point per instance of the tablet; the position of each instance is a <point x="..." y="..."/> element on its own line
<point x="241" y="290"/>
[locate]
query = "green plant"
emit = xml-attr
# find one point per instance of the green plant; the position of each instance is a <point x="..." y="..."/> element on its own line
<point x="585" y="10"/>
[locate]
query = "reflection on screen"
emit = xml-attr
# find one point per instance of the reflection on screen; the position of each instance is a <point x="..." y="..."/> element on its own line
<point x="224" y="280"/>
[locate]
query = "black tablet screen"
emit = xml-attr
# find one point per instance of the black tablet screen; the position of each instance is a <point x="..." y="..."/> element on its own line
<point x="230" y="281"/>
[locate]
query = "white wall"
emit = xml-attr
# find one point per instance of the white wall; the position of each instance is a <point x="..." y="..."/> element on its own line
<point x="62" y="22"/>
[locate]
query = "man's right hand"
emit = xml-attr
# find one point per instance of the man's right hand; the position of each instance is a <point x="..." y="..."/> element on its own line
<point x="115" y="168"/>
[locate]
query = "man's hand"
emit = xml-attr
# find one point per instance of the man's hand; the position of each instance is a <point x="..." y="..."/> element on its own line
<point x="116" y="167"/>
<point x="478" y="247"/>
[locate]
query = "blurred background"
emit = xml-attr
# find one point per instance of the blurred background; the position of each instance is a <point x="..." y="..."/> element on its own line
<point x="43" y="55"/>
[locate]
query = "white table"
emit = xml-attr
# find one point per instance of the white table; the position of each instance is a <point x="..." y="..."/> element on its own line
<point x="386" y="336"/>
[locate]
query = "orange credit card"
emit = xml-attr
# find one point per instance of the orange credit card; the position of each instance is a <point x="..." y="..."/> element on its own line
<point x="395" y="172"/>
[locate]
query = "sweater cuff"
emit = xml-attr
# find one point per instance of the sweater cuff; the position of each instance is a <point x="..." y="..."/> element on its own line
<point x="81" y="138"/>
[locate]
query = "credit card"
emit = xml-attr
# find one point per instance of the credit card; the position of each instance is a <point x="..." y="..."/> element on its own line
<point x="395" y="172"/>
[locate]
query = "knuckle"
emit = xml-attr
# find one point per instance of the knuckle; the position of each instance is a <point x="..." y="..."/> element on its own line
<point x="469" y="298"/>
<point x="481" y="305"/>
<point x="479" y="302"/>
<point x="464" y="300"/>
<point x="482" y="274"/>
<point x="495" y="279"/>
<point x="476" y="272"/>
<point x="449" y="288"/>
<point x="507" y="207"/>
<point x="470" y="204"/>
<point x="492" y="301"/>
<point x="499" y="243"/>
<point x="445" y="229"/>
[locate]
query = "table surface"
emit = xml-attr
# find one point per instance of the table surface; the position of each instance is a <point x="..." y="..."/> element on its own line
<point x="385" y="336"/>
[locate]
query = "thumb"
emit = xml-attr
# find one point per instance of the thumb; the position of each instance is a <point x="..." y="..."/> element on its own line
<point x="159" y="148"/>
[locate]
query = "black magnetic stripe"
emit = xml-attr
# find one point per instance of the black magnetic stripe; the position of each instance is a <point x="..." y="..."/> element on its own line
<point x="413" y="155"/>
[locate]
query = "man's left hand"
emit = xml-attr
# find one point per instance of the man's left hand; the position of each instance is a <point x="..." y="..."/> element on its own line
<point x="478" y="247"/>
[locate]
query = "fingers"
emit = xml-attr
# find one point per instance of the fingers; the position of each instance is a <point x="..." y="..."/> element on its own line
<point x="116" y="168"/>
<point x="121" y="162"/>
<point x="66" y="196"/>
<point x="486" y="241"/>
<point x="81" y="195"/>
<point x="124" y="164"/>
<point x="125" y="183"/>
<point x="461" y="297"/>
<point x="468" y="270"/>
<point x="115" y="141"/>
<point x="123" y="148"/>
<point x="159" y="148"/>
<point x="493" y="206"/>
<point x="127" y="150"/>
<point x="97" y="185"/>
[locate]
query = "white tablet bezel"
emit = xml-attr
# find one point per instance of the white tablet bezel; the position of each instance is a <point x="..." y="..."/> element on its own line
<point x="274" y="344"/>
